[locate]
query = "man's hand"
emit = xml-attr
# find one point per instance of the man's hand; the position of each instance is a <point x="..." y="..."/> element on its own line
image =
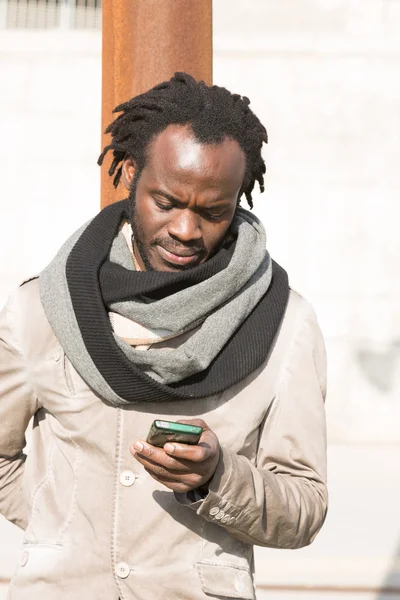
<point x="181" y="467"/>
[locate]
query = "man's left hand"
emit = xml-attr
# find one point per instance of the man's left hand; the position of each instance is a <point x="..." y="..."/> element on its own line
<point x="181" y="467"/>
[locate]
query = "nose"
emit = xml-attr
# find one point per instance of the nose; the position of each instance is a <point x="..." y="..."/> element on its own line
<point x="185" y="226"/>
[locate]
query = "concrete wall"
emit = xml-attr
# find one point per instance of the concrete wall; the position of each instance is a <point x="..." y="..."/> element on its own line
<point x="324" y="77"/>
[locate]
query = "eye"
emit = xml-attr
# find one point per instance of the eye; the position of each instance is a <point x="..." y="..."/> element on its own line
<point x="163" y="205"/>
<point x="215" y="215"/>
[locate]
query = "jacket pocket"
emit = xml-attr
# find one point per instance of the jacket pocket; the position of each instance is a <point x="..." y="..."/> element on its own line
<point x="51" y="511"/>
<point x="39" y="560"/>
<point x="227" y="581"/>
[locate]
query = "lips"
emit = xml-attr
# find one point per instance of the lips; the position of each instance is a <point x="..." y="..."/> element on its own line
<point x="184" y="257"/>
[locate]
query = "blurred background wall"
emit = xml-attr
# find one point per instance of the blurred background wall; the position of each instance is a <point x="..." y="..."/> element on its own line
<point x="324" y="77"/>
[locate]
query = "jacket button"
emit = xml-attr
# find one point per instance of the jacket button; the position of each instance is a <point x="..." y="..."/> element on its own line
<point x="225" y="519"/>
<point x="220" y="515"/>
<point x="24" y="558"/>
<point x="122" y="570"/>
<point x="214" y="511"/>
<point x="127" y="478"/>
<point x="239" y="583"/>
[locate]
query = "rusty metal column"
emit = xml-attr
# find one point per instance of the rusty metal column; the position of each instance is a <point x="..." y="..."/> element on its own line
<point x="144" y="43"/>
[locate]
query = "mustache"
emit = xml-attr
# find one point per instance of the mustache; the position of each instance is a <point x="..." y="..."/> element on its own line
<point x="170" y="245"/>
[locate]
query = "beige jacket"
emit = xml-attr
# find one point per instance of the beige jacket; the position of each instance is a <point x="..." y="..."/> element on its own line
<point x="97" y="526"/>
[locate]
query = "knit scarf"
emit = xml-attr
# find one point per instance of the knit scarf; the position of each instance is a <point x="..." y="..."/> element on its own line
<point x="232" y="304"/>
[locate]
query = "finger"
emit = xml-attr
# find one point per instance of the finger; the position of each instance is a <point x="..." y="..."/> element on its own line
<point x="179" y="486"/>
<point x="160" y="467"/>
<point x="205" y="449"/>
<point x="193" y="454"/>
<point x="161" y="474"/>
<point x="159" y="456"/>
<point x="146" y="450"/>
<point x="161" y="477"/>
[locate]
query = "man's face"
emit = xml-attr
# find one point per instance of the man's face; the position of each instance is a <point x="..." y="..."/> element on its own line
<point x="185" y="199"/>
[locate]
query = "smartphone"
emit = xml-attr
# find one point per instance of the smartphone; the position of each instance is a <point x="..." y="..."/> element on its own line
<point x="162" y="432"/>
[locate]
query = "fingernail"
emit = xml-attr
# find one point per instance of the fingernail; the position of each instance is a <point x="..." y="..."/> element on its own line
<point x="138" y="446"/>
<point x="169" y="448"/>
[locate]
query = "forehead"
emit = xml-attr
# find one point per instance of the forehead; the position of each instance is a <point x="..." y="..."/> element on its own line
<point x="175" y="155"/>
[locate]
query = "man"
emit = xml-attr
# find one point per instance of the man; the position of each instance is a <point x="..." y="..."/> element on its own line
<point x="165" y="306"/>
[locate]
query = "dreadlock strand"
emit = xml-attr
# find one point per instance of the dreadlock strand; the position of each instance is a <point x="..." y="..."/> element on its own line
<point x="117" y="177"/>
<point x="114" y="164"/>
<point x="102" y="155"/>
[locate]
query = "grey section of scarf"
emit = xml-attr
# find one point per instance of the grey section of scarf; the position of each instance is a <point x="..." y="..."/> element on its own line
<point x="186" y="309"/>
<point x="220" y="304"/>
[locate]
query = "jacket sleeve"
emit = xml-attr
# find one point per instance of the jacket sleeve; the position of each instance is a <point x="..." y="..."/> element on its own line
<point x="17" y="405"/>
<point x="281" y="501"/>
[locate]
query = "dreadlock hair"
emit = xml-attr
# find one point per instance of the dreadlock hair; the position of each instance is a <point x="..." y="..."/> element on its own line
<point x="212" y="112"/>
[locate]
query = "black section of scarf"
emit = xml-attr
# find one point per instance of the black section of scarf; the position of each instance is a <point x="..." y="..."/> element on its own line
<point x="94" y="282"/>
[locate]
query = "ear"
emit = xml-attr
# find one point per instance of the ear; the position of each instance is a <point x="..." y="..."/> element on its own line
<point x="128" y="172"/>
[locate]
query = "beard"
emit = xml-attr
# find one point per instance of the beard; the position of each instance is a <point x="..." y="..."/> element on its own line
<point x="137" y="228"/>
